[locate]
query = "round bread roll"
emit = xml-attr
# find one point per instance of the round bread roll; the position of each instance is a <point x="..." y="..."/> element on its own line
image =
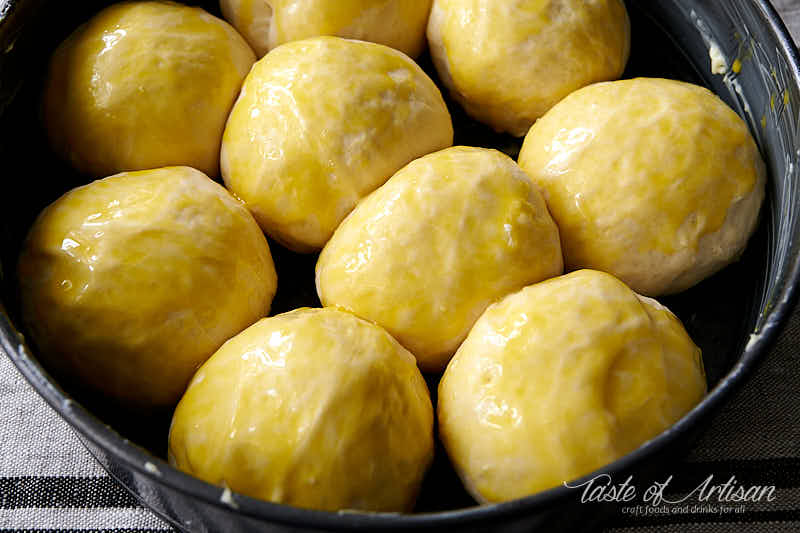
<point x="561" y="378"/>
<point x="265" y="24"/>
<point x="129" y="283"/>
<point x="425" y="254"/>
<point x="320" y="124"/>
<point x="314" y="408"/>
<point x="655" y="181"/>
<point x="144" y="85"/>
<point x="508" y="61"/>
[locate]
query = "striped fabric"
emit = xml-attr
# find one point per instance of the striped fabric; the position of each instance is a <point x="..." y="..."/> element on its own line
<point x="790" y="11"/>
<point x="48" y="482"/>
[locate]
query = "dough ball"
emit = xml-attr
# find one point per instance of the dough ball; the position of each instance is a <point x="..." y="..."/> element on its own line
<point x="265" y="24"/>
<point x="560" y="379"/>
<point x="320" y="124"/>
<point x="314" y="408"/>
<point x="508" y="61"/>
<point x="144" y="85"/>
<point x="655" y="181"/>
<point x="129" y="283"/>
<point x="424" y="255"/>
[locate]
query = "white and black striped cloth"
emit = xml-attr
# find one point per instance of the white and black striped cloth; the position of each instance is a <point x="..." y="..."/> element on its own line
<point x="49" y="482"/>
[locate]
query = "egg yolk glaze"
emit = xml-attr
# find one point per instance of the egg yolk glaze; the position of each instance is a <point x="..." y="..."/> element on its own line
<point x="320" y="124"/>
<point x="509" y="61"/>
<point x="314" y="408"/>
<point x="129" y="283"/>
<point x="561" y="378"/>
<point x="144" y="85"/>
<point x="425" y="254"/>
<point x="266" y="24"/>
<point x="655" y="181"/>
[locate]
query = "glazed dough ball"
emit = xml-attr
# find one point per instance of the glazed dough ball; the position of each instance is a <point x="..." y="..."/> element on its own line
<point x="267" y="23"/>
<point x="144" y="85"/>
<point x="129" y="283"/>
<point x="655" y="181"/>
<point x="508" y="61"/>
<point x="320" y="124"/>
<point x="561" y="378"/>
<point x="313" y="408"/>
<point x="424" y="255"/>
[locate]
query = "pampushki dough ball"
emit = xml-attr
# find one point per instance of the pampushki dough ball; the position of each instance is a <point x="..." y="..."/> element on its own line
<point x="425" y="254"/>
<point x="560" y="379"/>
<point x="314" y="408"/>
<point x="655" y="181"/>
<point x="508" y="61"/>
<point x="144" y="85"/>
<point x="320" y="124"/>
<point x="129" y="283"/>
<point x="266" y="24"/>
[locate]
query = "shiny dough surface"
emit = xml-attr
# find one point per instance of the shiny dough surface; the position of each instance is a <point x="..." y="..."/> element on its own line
<point x="509" y="61"/>
<point x="131" y="282"/>
<point x="562" y="378"/>
<point x="447" y="235"/>
<point x="144" y="85"/>
<point x="314" y="408"/>
<point x="301" y="157"/>
<point x="266" y="24"/>
<point x="655" y="181"/>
